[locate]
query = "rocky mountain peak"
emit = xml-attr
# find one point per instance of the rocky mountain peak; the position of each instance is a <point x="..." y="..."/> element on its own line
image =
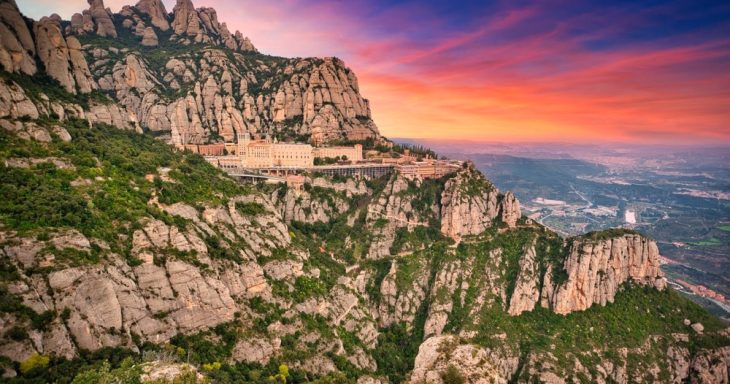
<point x="102" y="18"/>
<point x="156" y="11"/>
<point x="186" y="20"/>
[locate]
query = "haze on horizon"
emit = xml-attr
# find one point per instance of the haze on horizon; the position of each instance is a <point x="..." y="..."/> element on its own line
<point x="627" y="72"/>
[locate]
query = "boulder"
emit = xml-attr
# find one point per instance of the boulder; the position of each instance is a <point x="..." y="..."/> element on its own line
<point x="149" y="38"/>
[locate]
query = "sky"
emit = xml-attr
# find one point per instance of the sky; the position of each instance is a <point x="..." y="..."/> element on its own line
<point x="570" y="71"/>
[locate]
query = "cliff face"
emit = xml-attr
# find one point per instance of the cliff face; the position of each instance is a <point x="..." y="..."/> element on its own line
<point x="17" y="49"/>
<point x="597" y="268"/>
<point x="470" y="204"/>
<point x="205" y="85"/>
<point x="592" y="274"/>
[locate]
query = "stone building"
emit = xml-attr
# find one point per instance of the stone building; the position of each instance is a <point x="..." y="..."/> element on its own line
<point x="428" y="169"/>
<point x="353" y="153"/>
<point x="264" y="153"/>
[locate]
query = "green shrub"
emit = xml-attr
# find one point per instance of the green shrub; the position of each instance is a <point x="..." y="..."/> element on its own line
<point x="35" y="361"/>
<point x="250" y="208"/>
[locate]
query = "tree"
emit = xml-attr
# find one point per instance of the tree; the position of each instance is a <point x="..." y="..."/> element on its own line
<point x="281" y="376"/>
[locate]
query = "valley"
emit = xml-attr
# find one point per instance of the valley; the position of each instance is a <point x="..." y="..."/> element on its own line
<point x="677" y="197"/>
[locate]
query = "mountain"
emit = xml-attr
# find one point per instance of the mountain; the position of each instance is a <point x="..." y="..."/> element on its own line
<point x="124" y="260"/>
<point x="183" y="76"/>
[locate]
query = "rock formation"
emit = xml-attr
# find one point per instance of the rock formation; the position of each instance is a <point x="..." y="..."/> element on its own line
<point x="62" y="58"/>
<point x="14" y="103"/>
<point x="526" y="293"/>
<point x="474" y="364"/>
<point x="597" y="268"/>
<point x="156" y="11"/>
<point x="102" y="18"/>
<point x="17" y="49"/>
<point x="470" y="203"/>
<point x="149" y="39"/>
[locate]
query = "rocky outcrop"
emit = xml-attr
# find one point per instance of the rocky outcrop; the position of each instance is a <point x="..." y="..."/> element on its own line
<point x="526" y="293"/>
<point x="62" y="59"/>
<point x="102" y="18"/>
<point x="711" y="366"/>
<point x="392" y="210"/>
<point x="201" y="26"/>
<point x="155" y="9"/>
<point x="186" y="20"/>
<point x="157" y="298"/>
<point x="470" y="204"/>
<point x="149" y="39"/>
<point x="596" y="268"/>
<point x="509" y="209"/>
<point x="471" y="363"/>
<point x="401" y="302"/>
<point x="80" y="69"/>
<point x="207" y="97"/>
<point x="442" y="296"/>
<point x="14" y="103"/>
<point x="320" y="201"/>
<point x="17" y="49"/>
<point x="112" y="114"/>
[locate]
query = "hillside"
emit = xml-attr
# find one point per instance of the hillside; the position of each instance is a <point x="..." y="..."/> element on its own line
<point x="123" y="260"/>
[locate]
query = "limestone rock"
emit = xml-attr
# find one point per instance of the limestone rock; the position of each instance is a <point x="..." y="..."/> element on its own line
<point x="596" y="269"/>
<point x="698" y="327"/>
<point x="186" y="20"/>
<point x="81" y="73"/>
<point x="526" y="293"/>
<point x="53" y="52"/>
<point x="14" y="103"/>
<point x="711" y="366"/>
<point x="62" y="59"/>
<point x="256" y="350"/>
<point x="149" y="38"/>
<point x="102" y="18"/>
<point x="393" y="210"/>
<point x="166" y="372"/>
<point x="468" y="204"/>
<point x="156" y="10"/>
<point x="509" y="209"/>
<point x="474" y="364"/>
<point x="16" y="44"/>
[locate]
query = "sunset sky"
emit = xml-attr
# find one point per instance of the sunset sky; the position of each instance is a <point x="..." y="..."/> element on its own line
<point x="570" y="71"/>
